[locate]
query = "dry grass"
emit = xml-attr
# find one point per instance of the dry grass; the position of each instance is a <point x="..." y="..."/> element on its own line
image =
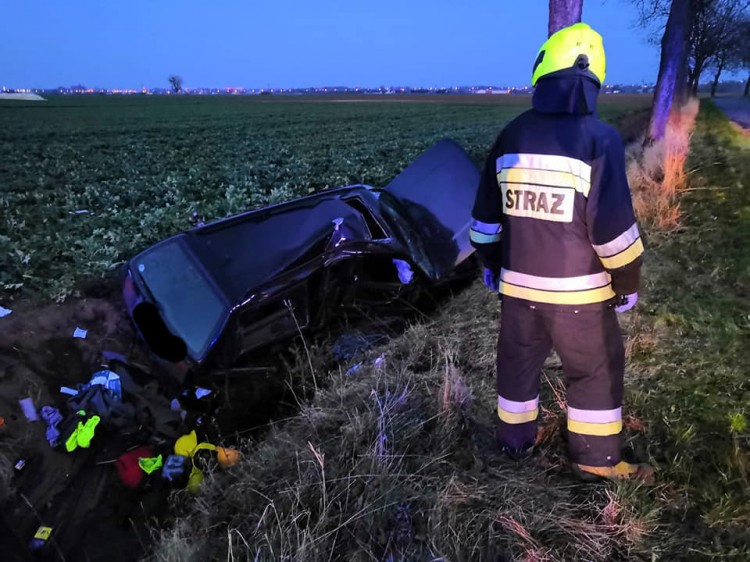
<point x="177" y="544"/>
<point x="455" y="397"/>
<point x="656" y="172"/>
<point x="397" y="462"/>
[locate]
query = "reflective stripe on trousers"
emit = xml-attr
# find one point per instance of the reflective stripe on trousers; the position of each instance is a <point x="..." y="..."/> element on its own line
<point x="514" y="412"/>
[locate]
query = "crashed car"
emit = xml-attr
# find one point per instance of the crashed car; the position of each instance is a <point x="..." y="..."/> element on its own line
<point x="204" y="299"/>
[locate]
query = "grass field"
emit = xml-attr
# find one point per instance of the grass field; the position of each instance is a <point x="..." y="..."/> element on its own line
<point x="397" y="462"/>
<point x="141" y="166"/>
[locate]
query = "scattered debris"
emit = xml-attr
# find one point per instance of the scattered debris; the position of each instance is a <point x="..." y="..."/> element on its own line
<point x="120" y="414"/>
<point x="150" y="464"/>
<point x="40" y="537"/>
<point x="80" y="212"/>
<point x="83" y="433"/>
<point x="175" y="406"/>
<point x="378" y="362"/>
<point x="175" y="471"/>
<point x="204" y="457"/>
<point x="80" y="333"/>
<point x="201" y="392"/>
<point x="128" y="468"/>
<point x="197" y="220"/>
<point x="227" y="457"/>
<point x="405" y="273"/>
<point x="29" y="410"/>
<point x="348" y="345"/>
<point x="53" y="417"/>
<point x="109" y="380"/>
<point x="353" y="369"/>
<point x="5" y="312"/>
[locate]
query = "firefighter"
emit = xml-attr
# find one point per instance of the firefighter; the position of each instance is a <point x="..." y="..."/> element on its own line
<point x="553" y="223"/>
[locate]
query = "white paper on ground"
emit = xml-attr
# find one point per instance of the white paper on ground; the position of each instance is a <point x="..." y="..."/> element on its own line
<point x="80" y="333"/>
<point x="4" y="311"/>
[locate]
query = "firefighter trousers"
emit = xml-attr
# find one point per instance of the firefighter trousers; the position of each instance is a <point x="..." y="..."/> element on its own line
<point x="589" y="343"/>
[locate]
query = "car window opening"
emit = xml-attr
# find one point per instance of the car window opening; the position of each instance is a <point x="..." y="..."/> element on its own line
<point x="376" y="231"/>
<point x="158" y="337"/>
<point x="379" y="269"/>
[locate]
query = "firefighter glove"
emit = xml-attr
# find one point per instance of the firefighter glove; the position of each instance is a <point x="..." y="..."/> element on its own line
<point x="626" y="302"/>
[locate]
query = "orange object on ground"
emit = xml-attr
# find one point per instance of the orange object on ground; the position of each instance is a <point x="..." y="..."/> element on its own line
<point x="227" y="457"/>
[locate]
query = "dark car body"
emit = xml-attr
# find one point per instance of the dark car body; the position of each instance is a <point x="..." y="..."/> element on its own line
<point x="207" y="297"/>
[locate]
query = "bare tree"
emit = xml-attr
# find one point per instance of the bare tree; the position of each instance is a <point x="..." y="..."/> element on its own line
<point x="563" y="13"/>
<point x="733" y="53"/>
<point x="672" y="65"/>
<point x="176" y="83"/>
<point x="740" y="54"/>
<point x="652" y="18"/>
<point x="714" y="36"/>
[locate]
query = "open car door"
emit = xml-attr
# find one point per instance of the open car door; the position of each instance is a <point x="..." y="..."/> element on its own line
<point x="438" y="190"/>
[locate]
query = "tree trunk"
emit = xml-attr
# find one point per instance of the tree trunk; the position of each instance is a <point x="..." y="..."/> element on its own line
<point x="696" y="80"/>
<point x="691" y="80"/>
<point x="747" y="87"/>
<point x="716" y="79"/>
<point x="674" y="52"/>
<point x="563" y="13"/>
<point x="682" y="82"/>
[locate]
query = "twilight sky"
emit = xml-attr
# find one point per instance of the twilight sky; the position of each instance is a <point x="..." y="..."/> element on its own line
<point x="297" y="43"/>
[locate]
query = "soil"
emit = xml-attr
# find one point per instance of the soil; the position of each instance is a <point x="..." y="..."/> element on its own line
<point x="38" y="355"/>
<point x="93" y="515"/>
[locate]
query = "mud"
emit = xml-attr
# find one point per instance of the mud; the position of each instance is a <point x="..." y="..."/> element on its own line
<point x="89" y="510"/>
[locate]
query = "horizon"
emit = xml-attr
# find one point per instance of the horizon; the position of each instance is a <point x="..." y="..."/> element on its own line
<point x="187" y="89"/>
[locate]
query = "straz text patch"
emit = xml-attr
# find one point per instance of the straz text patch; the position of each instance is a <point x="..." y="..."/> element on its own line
<point x="538" y="202"/>
<point x="541" y="186"/>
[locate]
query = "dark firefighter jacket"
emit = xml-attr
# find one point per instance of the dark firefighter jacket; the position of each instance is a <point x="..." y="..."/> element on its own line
<point x="553" y="213"/>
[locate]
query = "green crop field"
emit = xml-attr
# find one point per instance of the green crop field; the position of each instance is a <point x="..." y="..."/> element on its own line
<point x="140" y="166"/>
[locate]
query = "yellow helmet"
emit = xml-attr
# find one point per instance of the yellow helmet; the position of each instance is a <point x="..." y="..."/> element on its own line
<point x="577" y="46"/>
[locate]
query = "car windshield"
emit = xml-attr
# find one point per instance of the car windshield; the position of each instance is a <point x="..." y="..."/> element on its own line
<point x="188" y="303"/>
<point x="398" y="218"/>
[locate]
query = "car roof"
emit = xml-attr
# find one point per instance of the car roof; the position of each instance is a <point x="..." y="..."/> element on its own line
<point x="243" y="254"/>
